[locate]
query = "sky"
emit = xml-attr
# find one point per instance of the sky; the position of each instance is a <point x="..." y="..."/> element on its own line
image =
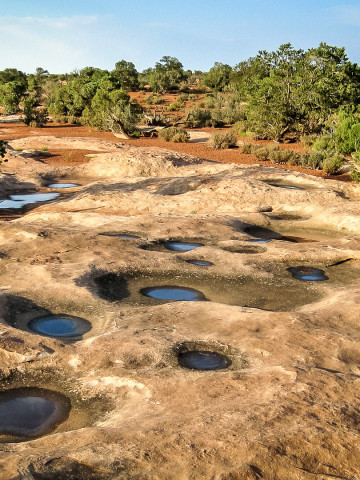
<point x="64" y="35"/>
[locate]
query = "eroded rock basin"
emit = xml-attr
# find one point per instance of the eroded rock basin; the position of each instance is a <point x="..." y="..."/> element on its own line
<point x="27" y="413"/>
<point x="276" y="294"/>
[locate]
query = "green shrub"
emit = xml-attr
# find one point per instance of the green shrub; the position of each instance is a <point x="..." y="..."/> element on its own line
<point x="224" y="140"/>
<point x="333" y="165"/>
<point x="355" y="173"/>
<point x="238" y="128"/>
<point x="246" y="148"/>
<point x="210" y="102"/>
<point x="262" y="154"/>
<point x="308" y="140"/>
<point x="174" y="134"/>
<point x="283" y="156"/>
<point x="196" y="118"/>
<point x="33" y="116"/>
<point x="325" y="142"/>
<point x="316" y="160"/>
<point x="174" y="106"/>
<point x="217" y="119"/>
<point x="183" y="97"/>
<point x="154" y="100"/>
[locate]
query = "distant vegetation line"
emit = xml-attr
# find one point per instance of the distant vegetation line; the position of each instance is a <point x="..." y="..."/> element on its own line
<point x="284" y="95"/>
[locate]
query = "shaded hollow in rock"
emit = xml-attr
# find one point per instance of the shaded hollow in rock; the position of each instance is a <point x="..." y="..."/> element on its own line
<point x="203" y="360"/>
<point x="112" y="287"/>
<point x="276" y="293"/>
<point x="308" y="274"/>
<point x="249" y="249"/>
<point x="27" y="413"/>
<point x="125" y="236"/>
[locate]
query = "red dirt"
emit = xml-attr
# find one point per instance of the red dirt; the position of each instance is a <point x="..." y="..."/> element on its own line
<point x="13" y="131"/>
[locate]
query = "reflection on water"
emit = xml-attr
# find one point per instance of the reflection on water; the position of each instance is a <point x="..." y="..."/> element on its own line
<point x="203" y="360"/>
<point x="60" y="326"/>
<point x="182" y="246"/>
<point x="19" y="201"/>
<point x="173" y="293"/>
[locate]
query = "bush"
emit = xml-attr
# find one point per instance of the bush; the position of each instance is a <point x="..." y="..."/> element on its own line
<point x="276" y="155"/>
<point x="262" y="154"/>
<point x="355" y="173"/>
<point x="308" y="140"/>
<point x="196" y="118"/>
<point x="33" y="116"/>
<point x="325" y="142"/>
<point x="314" y="160"/>
<point x="246" y="148"/>
<point x="224" y="140"/>
<point x="238" y="128"/>
<point x="333" y="165"/>
<point x="174" y="134"/>
<point x="154" y="100"/>
<point x="174" y="106"/>
<point x="217" y="119"/>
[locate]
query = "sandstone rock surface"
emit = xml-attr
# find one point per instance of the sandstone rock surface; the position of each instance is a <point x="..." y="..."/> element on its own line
<point x="288" y="405"/>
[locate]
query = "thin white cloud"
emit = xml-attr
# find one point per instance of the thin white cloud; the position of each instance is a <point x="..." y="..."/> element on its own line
<point x="57" y="44"/>
<point x="51" y="22"/>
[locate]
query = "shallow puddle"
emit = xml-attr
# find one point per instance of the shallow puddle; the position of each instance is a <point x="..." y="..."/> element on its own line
<point x="182" y="246"/>
<point x="20" y="201"/>
<point x="170" y="292"/>
<point x="308" y="274"/>
<point x="200" y="263"/>
<point x="31" y="412"/>
<point x="63" y="185"/>
<point x="60" y="326"/>
<point x="203" y="360"/>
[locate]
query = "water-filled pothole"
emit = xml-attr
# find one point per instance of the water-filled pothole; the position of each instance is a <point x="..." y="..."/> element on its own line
<point x="20" y="201"/>
<point x="200" y="263"/>
<point x="274" y="292"/>
<point x="308" y="274"/>
<point x="203" y="360"/>
<point x="170" y="292"/>
<point x="31" y="412"/>
<point x="181" y="246"/>
<point x="63" y="185"/>
<point x="24" y="314"/>
<point x="60" y="326"/>
<point x="171" y="245"/>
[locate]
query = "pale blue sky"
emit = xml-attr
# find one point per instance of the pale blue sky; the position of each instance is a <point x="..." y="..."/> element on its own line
<point x="63" y="35"/>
